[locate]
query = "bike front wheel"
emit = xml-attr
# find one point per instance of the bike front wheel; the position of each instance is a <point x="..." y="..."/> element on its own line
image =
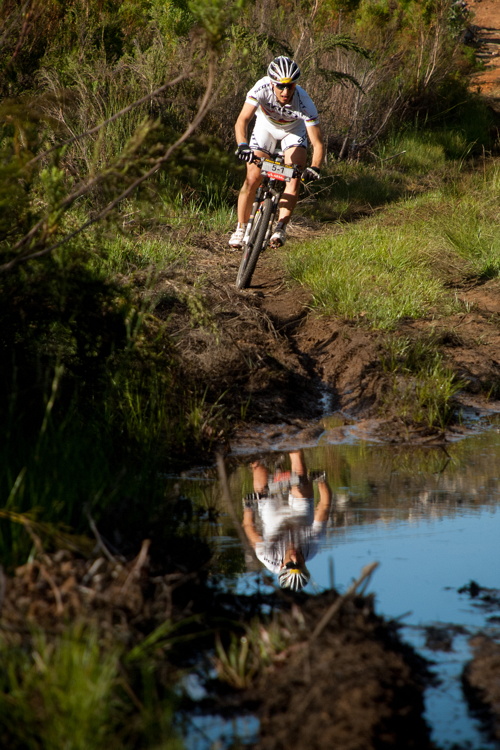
<point x="254" y="245"/>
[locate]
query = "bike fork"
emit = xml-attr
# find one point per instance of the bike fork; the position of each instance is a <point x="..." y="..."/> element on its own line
<point x="271" y="222"/>
<point x="256" y="205"/>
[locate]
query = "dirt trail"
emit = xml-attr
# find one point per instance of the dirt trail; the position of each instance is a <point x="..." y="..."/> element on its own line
<point x="486" y="17"/>
<point x="345" y="360"/>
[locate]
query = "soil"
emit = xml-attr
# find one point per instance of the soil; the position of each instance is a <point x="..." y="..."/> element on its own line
<point x="355" y="686"/>
<point x="486" y="28"/>
<point x="481" y="677"/>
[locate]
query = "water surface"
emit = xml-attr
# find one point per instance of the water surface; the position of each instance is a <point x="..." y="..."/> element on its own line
<point x="429" y="516"/>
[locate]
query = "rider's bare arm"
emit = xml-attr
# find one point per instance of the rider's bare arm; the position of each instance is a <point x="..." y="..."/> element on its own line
<point x="316" y="137"/>
<point x="243" y="121"/>
<point x="253" y="535"/>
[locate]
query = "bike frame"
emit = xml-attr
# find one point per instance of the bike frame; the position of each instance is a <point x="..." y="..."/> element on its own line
<point x="275" y="175"/>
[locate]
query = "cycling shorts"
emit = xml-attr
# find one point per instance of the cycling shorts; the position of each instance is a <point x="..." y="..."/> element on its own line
<point x="265" y="136"/>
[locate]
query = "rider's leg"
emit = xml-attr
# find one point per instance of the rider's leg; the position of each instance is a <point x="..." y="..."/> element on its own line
<point x="298" y="467"/>
<point x="260" y="476"/>
<point x="246" y="196"/>
<point x="262" y="143"/>
<point x="295" y="155"/>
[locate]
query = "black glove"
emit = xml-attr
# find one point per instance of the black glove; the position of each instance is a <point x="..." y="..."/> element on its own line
<point x="244" y="152"/>
<point x="317" y="476"/>
<point x="250" y="501"/>
<point x="311" y="173"/>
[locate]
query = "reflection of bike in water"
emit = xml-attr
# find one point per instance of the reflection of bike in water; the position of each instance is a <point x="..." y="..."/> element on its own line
<point x="282" y="522"/>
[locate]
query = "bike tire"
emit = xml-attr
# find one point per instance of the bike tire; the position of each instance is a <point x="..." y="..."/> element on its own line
<point x="248" y="247"/>
<point x="254" y="247"/>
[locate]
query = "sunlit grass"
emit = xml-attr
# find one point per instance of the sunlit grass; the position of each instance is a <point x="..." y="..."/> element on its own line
<point x="397" y="264"/>
<point x="380" y="274"/>
<point x="412" y="153"/>
<point x="473" y="236"/>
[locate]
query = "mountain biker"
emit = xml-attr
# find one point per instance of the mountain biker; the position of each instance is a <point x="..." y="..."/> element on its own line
<point x="286" y="113"/>
<point x="291" y="527"/>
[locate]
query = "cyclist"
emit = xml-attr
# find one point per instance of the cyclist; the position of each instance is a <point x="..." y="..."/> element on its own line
<point x="291" y="527"/>
<point x="285" y="113"/>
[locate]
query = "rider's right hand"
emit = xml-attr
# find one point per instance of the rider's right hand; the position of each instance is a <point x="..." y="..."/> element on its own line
<point x="244" y="152"/>
<point x="310" y="174"/>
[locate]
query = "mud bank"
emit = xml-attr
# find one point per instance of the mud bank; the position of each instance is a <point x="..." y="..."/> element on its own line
<point x="279" y="362"/>
<point x="344" y="680"/>
<point x="481" y="677"/>
<point x="351" y="686"/>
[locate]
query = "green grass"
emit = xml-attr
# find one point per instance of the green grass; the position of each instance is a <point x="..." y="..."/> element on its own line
<point x="426" y="391"/>
<point x="367" y="272"/>
<point x="474" y="236"/>
<point x="397" y="264"/>
<point x="70" y="692"/>
<point x="127" y="253"/>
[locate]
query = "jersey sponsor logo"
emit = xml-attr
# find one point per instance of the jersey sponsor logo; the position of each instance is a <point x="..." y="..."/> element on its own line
<point x="287" y="115"/>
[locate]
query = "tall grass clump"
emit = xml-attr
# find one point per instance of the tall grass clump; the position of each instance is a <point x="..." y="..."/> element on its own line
<point x="60" y="695"/>
<point x="423" y="387"/>
<point x="126" y="253"/>
<point x="477" y="242"/>
<point x="470" y="227"/>
<point x="70" y="692"/>
<point x="93" y="397"/>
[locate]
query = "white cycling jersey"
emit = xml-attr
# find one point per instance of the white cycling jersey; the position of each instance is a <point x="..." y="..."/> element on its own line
<point x="284" y="116"/>
<point x="286" y="523"/>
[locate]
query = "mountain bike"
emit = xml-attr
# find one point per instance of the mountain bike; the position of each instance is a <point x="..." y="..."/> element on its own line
<point x="275" y="175"/>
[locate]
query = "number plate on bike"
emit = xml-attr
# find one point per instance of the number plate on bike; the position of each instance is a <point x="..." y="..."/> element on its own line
<point x="276" y="170"/>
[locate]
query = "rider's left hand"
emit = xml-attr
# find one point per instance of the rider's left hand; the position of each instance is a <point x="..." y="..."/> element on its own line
<point x="311" y="173"/>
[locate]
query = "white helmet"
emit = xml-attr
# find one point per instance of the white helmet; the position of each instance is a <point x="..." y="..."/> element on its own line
<point x="283" y="70"/>
<point x="293" y="577"/>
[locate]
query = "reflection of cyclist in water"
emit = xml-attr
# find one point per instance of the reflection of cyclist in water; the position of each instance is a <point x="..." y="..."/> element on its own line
<point x="291" y="526"/>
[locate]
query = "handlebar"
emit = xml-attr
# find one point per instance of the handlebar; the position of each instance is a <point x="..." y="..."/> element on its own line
<point x="257" y="160"/>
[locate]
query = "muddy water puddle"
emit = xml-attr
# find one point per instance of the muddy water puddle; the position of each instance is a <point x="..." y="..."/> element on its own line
<point x="430" y="516"/>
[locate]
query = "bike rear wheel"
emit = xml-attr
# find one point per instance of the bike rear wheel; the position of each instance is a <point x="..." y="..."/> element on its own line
<point x="255" y="243"/>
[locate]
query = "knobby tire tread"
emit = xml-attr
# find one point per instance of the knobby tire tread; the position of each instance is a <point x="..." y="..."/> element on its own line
<point x="245" y="274"/>
<point x="247" y="250"/>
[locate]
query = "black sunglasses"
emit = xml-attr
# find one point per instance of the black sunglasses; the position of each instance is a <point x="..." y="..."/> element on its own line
<point x="282" y="86"/>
